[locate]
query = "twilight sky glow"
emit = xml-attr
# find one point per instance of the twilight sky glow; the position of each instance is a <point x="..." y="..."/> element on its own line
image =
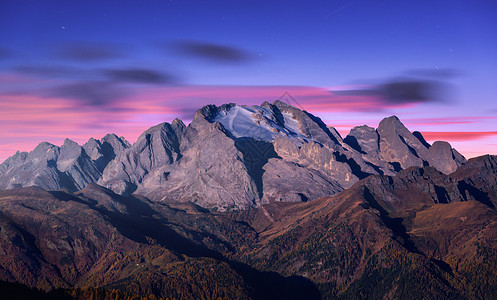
<point x="82" y="69"/>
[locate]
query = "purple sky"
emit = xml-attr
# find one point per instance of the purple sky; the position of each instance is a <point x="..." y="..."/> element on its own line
<point x="81" y="69"/>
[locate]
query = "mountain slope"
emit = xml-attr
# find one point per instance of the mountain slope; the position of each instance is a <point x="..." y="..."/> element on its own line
<point x="420" y="232"/>
<point x="98" y="238"/>
<point x="386" y="236"/>
<point x="232" y="157"/>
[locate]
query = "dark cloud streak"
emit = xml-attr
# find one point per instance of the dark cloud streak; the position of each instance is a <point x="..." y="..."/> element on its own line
<point x="211" y="52"/>
<point x="402" y="91"/>
<point x="358" y="92"/>
<point x="409" y="91"/>
<point x="139" y="76"/>
<point x="93" y="93"/>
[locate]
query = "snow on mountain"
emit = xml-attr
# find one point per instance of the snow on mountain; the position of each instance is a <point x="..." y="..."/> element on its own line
<point x="259" y="123"/>
<point x="231" y="157"/>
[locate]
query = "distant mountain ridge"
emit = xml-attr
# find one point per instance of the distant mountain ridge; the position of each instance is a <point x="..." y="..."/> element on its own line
<point x="231" y="157"/>
<point x="251" y="202"/>
<point x="70" y="166"/>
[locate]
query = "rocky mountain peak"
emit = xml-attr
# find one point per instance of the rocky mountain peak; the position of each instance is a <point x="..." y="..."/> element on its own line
<point x="232" y="157"/>
<point x="393" y="147"/>
<point x="155" y="149"/>
<point x="443" y="157"/>
<point x="177" y="123"/>
<point x="209" y="112"/>
<point x="392" y="122"/>
<point x="364" y="139"/>
<point x="481" y="164"/>
<point x="398" y="144"/>
<point x="43" y="147"/>
<point x="44" y="152"/>
<point x="69" y="143"/>
<point x="69" y="152"/>
<point x="116" y="142"/>
<point x="105" y="150"/>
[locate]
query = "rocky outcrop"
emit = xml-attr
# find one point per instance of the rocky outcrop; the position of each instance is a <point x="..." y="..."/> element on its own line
<point x="478" y="179"/>
<point x="150" y="157"/>
<point x="392" y="147"/>
<point x="232" y="157"/>
<point x="105" y="150"/>
<point x="444" y="158"/>
<point x="67" y="167"/>
<point x="398" y="145"/>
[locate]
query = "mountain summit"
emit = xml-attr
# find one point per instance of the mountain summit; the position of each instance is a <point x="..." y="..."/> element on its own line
<point x="231" y="157"/>
<point x="222" y="208"/>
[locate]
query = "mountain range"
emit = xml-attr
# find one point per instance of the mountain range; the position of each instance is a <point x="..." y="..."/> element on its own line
<point x="230" y="158"/>
<point x="252" y="202"/>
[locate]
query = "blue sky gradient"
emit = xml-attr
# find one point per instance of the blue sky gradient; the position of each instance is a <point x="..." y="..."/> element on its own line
<point x="340" y="60"/>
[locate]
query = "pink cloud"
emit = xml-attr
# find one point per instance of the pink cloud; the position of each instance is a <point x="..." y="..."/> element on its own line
<point x="29" y="117"/>
<point x="457" y="136"/>
<point x="316" y="99"/>
<point x="447" y="120"/>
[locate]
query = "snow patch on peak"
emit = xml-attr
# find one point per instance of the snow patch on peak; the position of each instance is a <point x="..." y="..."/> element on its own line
<point x="242" y="121"/>
<point x="259" y="123"/>
<point x="291" y="124"/>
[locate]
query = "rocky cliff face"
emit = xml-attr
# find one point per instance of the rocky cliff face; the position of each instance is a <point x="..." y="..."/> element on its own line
<point x="232" y="157"/>
<point x="148" y="158"/>
<point x="67" y="167"/>
<point x="105" y="150"/>
<point x="392" y="147"/>
<point x="478" y="177"/>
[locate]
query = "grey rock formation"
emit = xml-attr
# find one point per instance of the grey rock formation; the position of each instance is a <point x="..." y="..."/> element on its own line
<point x="315" y="156"/>
<point x="49" y="167"/>
<point x="398" y="144"/>
<point x="221" y="160"/>
<point x="287" y="181"/>
<point x="76" y="165"/>
<point x="478" y="179"/>
<point x="364" y="139"/>
<point x="393" y="147"/>
<point x="67" y="167"/>
<point x="105" y="150"/>
<point x="215" y="171"/>
<point x="231" y="157"/>
<point x="148" y="158"/>
<point x="444" y="158"/>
